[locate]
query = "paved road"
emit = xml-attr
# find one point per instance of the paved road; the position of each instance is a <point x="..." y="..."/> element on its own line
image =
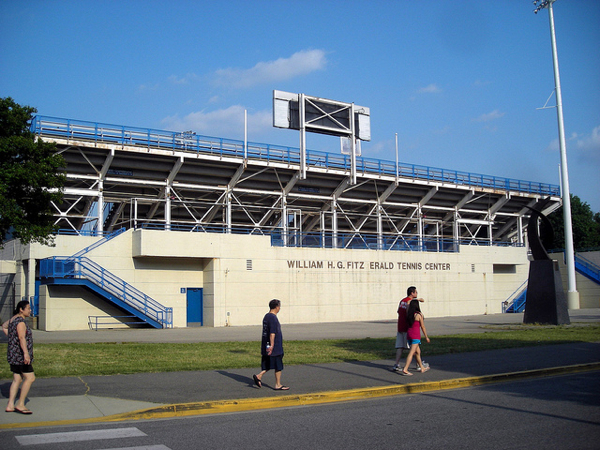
<point x="550" y="413"/>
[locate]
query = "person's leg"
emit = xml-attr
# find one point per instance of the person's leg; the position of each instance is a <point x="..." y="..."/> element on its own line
<point x="418" y="357"/>
<point x="398" y="356"/>
<point x="400" y="345"/>
<point x="409" y="357"/>
<point x="14" y="390"/>
<point x="423" y="367"/>
<point x="28" y="379"/>
<point x="278" y="385"/>
<point x="265" y="365"/>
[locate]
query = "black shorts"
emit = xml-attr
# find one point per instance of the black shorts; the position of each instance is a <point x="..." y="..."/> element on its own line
<point x="272" y="363"/>
<point x="21" y="368"/>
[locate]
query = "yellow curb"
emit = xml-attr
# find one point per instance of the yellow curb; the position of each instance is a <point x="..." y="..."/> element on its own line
<point x="239" y="405"/>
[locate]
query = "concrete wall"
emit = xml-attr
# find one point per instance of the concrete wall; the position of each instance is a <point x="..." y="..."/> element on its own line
<point x="69" y="308"/>
<point x="239" y="275"/>
<point x="329" y="285"/>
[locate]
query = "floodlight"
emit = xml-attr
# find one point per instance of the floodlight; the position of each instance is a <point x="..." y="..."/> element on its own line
<point x="572" y="294"/>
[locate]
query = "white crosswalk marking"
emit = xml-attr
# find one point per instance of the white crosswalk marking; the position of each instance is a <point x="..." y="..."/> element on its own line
<point x="143" y="447"/>
<point x="75" y="436"/>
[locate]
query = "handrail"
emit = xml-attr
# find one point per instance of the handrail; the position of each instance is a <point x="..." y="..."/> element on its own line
<point x="510" y="300"/>
<point x="329" y="239"/>
<point x="84" y="268"/>
<point x="587" y="267"/>
<point x="125" y="135"/>
<point x="95" y="321"/>
<point x="98" y="243"/>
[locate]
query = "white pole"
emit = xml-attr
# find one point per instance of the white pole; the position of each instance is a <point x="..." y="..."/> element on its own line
<point x="168" y="206"/>
<point x="302" y="112"/>
<point x="352" y="146"/>
<point x="572" y="294"/>
<point x="100" y="212"/>
<point x="245" y="137"/>
<point x="397" y="162"/>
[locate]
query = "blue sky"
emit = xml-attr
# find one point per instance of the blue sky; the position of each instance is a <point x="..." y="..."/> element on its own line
<point x="459" y="81"/>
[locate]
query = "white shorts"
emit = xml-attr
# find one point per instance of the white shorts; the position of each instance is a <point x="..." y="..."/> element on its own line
<point x="401" y="341"/>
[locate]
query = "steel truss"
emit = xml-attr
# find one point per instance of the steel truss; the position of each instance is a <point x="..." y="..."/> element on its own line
<point x="124" y="184"/>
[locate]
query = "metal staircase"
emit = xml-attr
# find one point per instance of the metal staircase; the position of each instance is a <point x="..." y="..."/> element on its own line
<point x="515" y="303"/>
<point x="587" y="268"/>
<point x="82" y="271"/>
<point x="98" y="243"/>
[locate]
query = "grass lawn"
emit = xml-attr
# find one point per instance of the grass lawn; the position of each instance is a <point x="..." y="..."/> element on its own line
<point x="62" y="360"/>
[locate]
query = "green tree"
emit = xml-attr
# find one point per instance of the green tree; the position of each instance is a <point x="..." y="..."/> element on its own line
<point x="586" y="227"/>
<point x="30" y="178"/>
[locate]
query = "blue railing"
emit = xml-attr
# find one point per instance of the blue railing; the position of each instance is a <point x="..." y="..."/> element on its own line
<point x="362" y="241"/>
<point x="187" y="142"/>
<point x="344" y="240"/>
<point x="587" y="268"/>
<point x="516" y="301"/>
<point x="85" y="269"/>
<point x="98" y="243"/>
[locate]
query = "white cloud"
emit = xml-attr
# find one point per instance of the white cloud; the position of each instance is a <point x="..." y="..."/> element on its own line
<point x="589" y="146"/>
<point x="375" y="148"/>
<point x="148" y="87"/>
<point x="227" y="123"/>
<point x="300" y="63"/>
<point x="495" y="114"/>
<point x="183" y="80"/>
<point x="431" y="89"/>
<point x="590" y="142"/>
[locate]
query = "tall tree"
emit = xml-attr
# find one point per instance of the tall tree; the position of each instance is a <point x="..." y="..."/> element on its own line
<point x="586" y="227"/>
<point x="30" y="178"/>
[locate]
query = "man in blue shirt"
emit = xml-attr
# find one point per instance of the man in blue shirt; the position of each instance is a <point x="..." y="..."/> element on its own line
<point x="271" y="347"/>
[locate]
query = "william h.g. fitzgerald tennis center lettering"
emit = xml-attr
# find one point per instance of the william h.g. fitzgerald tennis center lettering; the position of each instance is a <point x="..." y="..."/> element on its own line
<point x="366" y="265"/>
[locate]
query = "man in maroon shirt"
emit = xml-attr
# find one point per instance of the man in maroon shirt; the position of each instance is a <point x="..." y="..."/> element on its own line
<point x="401" y="343"/>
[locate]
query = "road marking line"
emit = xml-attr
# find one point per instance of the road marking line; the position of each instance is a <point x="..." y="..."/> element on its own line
<point x="78" y="436"/>
<point x="143" y="447"/>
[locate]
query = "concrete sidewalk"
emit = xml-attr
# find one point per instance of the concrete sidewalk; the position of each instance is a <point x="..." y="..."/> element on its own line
<point x="128" y="397"/>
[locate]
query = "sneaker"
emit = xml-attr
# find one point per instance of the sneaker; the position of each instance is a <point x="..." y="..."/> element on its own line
<point x="395" y="368"/>
<point x="418" y="369"/>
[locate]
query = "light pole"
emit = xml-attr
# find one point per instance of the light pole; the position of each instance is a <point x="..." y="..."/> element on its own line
<point x="572" y="294"/>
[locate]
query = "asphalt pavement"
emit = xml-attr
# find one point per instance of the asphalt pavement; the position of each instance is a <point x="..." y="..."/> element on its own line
<point x="69" y="400"/>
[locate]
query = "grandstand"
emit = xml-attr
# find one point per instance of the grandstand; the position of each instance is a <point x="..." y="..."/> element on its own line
<point x="210" y="229"/>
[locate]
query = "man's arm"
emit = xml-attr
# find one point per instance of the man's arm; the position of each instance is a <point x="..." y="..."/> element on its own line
<point x="272" y="343"/>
